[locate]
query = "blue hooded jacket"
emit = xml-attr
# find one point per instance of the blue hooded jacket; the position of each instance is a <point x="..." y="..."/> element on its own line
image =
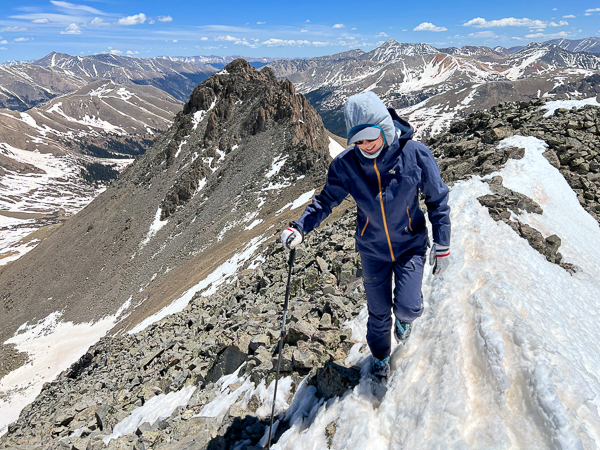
<point x="389" y="222"/>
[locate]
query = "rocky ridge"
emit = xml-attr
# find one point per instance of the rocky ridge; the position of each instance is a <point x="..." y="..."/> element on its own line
<point x="238" y="327"/>
<point x="573" y="139"/>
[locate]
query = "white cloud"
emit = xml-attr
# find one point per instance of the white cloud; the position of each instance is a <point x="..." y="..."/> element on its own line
<point x="428" y="26"/>
<point x="382" y="34"/>
<point x="129" y="52"/>
<point x="175" y="41"/>
<point x="260" y="23"/>
<point x="98" y="22"/>
<point x="321" y="44"/>
<point x="72" y="29"/>
<point x="204" y="38"/>
<point x="562" y="34"/>
<point x="339" y="25"/>
<point x="3" y="48"/>
<point x="165" y="19"/>
<point x="115" y="52"/>
<point x="569" y="16"/>
<point x="41" y="20"/>
<point x="72" y="6"/>
<point x="13" y="29"/>
<point x="483" y="35"/>
<point x="554" y="9"/>
<point x="588" y="14"/>
<point x="132" y="20"/>
<point x="21" y="39"/>
<point x="480" y="22"/>
<point x="303" y="31"/>
<point x="592" y="10"/>
<point x="284" y="42"/>
<point x="4" y="41"/>
<point x="226" y="38"/>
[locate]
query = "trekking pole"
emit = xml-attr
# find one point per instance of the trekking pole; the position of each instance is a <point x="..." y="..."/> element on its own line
<point x="283" y="336"/>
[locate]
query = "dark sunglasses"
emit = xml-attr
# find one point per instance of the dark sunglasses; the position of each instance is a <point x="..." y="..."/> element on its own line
<point x="365" y="140"/>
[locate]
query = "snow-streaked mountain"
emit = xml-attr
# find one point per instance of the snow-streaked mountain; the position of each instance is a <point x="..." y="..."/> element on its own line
<point x="175" y="77"/>
<point x="408" y="76"/>
<point x="591" y="44"/>
<point x="220" y="61"/>
<point x="24" y="86"/>
<point x="53" y="156"/>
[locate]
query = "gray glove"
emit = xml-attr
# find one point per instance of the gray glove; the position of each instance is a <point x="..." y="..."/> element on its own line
<point x="439" y="258"/>
<point x="291" y="237"/>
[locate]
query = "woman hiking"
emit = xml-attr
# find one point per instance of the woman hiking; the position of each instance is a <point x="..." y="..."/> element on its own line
<point x="383" y="171"/>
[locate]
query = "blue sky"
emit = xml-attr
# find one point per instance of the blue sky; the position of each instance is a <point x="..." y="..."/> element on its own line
<point x="31" y="29"/>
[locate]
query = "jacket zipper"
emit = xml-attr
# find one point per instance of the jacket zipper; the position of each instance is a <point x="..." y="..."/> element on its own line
<point x="365" y="227"/>
<point x="409" y="219"/>
<point x="383" y="210"/>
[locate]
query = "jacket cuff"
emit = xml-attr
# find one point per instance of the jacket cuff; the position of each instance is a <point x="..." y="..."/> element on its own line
<point x="298" y="227"/>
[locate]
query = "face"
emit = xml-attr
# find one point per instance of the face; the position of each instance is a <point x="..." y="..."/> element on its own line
<point x="370" y="147"/>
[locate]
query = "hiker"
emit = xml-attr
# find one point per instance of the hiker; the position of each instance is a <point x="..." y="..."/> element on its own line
<point x="384" y="171"/>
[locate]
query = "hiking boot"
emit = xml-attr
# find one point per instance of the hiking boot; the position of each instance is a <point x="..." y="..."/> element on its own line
<point x="381" y="367"/>
<point x="402" y="331"/>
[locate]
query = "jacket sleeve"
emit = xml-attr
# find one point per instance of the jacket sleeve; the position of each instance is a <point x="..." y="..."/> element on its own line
<point x="323" y="203"/>
<point x="436" y="195"/>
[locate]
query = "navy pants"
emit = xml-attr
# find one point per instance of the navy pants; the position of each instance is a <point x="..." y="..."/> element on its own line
<point x="406" y="302"/>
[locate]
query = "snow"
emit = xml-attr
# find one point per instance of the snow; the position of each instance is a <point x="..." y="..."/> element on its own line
<point x="335" y="148"/>
<point x="199" y="115"/>
<point x="208" y="285"/>
<point x="157" y="407"/>
<point x="52" y="346"/>
<point x="550" y="107"/>
<point x="300" y="201"/>
<point x="154" y="227"/>
<point x="278" y="163"/>
<point x="505" y="354"/>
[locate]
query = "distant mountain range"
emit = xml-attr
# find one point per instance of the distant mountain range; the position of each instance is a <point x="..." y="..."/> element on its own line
<point x="433" y="86"/>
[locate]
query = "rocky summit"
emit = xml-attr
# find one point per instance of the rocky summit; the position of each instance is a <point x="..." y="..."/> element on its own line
<point x="221" y="176"/>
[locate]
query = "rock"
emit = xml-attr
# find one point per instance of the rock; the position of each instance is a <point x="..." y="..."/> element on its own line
<point x="226" y="363"/>
<point x="334" y="380"/>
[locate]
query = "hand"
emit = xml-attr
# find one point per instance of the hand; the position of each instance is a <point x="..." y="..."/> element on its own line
<point x="439" y="258"/>
<point x="291" y="237"/>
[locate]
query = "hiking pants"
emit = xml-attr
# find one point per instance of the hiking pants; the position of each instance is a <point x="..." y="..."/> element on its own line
<point x="406" y="302"/>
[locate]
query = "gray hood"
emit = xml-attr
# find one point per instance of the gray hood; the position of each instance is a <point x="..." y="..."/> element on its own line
<point x="368" y="109"/>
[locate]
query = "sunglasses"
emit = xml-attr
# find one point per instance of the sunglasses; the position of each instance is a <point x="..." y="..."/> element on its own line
<point x="364" y="141"/>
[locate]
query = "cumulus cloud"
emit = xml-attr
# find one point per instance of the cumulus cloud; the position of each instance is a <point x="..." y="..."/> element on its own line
<point x="165" y="19"/>
<point x="428" y="26"/>
<point x="72" y="29"/>
<point x="3" y="48"/>
<point x="129" y="52"/>
<point x="593" y="10"/>
<point x="98" y="22"/>
<point x="260" y="23"/>
<point x="132" y="20"/>
<point x="303" y="31"/>
<point x="115" y="52"/>
<point x="382" y="34"/>
<point x="4" y="41"/>
<point x="226" y="38"/>
<point x="21" y="39"/>
<point x="204" y="38"/>
<point x="480" y="22"/>
<point x="339" y="25"/>
<point x="569" y="16"/>
<point x="13" y="29"/>
<point x="41" y="20"/>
